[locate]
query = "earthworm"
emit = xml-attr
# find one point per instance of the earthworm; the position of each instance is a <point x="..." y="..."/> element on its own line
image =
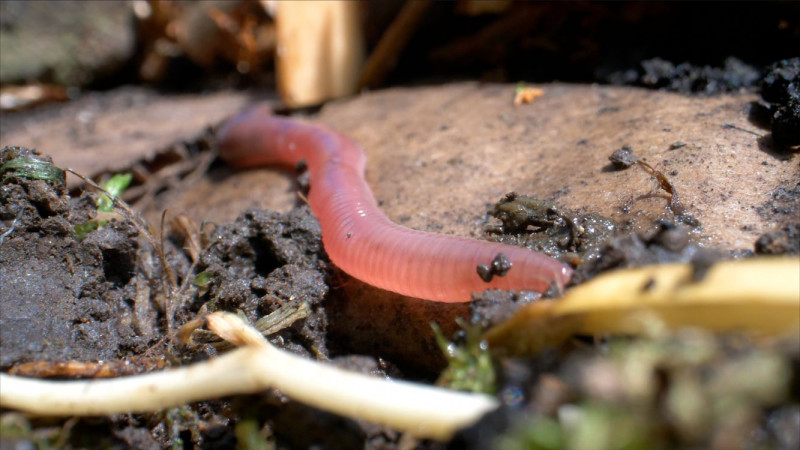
<point x="358" y="237"/>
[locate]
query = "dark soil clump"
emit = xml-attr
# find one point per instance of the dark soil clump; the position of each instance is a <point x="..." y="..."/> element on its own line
<point x="687" y="78"/>
<point x="784" y="205"/>
<point x="784" y="241"/>
<point x="265" y="260"/>
<point x="780" y="90"/>
<point x="86" y="308"/>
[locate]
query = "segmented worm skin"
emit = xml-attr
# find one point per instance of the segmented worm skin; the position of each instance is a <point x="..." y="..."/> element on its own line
<point x="358" y="237"/>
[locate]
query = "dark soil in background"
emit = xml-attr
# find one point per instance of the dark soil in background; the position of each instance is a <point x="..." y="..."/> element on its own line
<point x="594" y="41"/>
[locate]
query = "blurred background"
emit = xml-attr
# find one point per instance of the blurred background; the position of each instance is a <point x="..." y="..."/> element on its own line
<point x="314" y="51"/>
<point x="135" y="86"/>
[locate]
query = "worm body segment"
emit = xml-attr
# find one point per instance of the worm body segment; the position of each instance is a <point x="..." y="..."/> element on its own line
<point x="357" y="236"/>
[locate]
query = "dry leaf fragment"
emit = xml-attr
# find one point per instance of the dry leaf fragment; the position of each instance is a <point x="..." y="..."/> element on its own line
<point x="526" y="94"/>
<point x="760" y="295"/>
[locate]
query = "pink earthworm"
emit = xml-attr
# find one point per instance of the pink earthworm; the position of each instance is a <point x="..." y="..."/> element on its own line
<point x="357" y="236"/>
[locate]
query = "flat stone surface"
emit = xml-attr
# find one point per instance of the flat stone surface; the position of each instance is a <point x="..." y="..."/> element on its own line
<point x="110" y="132"/>
<point x="439" y="157"/>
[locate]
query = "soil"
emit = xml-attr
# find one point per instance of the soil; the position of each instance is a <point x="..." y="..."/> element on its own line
<point x="84" y="306"/>
<point x="699" y="109"/>
<point x="780" y="91"/>
<point x="116" y="297"/>
<point x="64" y="298"/>
<point x="266" y="260"/>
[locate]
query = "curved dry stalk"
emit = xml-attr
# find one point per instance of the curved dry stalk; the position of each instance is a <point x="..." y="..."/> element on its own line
<point x="423" y="411"/>
<point x="759" y="295"/>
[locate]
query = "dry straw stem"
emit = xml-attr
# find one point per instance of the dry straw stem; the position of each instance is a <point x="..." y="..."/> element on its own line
<point x="384" y="58"/>
<point x="423" y="411"/>
<point x="320" y="50"/>
<point x="760" y="295"/>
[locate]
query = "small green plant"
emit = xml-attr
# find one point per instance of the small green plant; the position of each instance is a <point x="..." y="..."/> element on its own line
<point x="33" y="169"/>
<point x="113" y="188"/>
<point x="469" y="365"/>
<point x="203" y="279"/>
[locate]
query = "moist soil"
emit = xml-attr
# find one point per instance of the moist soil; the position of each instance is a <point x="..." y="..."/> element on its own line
<point x="64" y="299"/>
<point x="101" y="304"/>
<point x="111" y="301"/>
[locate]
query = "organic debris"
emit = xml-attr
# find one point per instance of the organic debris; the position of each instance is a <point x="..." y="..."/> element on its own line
<point x="760" y="295"/>
<point x="422" y="411"/>
<point x="690" y="389"/>
<point x="780" y="89"/>
<point x="526" y="94"/>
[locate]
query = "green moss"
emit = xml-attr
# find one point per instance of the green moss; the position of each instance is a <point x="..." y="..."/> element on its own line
<point x="469" y="365"/>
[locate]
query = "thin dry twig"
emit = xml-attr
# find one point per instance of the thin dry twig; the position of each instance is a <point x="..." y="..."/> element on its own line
<point x="394" y="40"/>
<point x="173" y="290"/>
<point x="666" y="185"/>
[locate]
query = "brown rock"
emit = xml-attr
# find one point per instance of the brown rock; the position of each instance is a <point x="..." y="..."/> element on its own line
<point x="438" y="157"/>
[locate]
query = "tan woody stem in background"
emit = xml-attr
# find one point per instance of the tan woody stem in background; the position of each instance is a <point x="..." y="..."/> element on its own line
<point x="320" y="50"/>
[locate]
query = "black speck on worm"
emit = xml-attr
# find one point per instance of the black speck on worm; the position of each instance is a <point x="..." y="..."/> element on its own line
<point x="500" y="266"/>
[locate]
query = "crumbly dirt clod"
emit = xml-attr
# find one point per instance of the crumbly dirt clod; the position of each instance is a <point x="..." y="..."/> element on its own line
<point x="783" y="241"/>
<point x="688" y="78"/>
<point x="780" y="88"/>
<point x="664" y="242"/>
<point x="85" y="308"/>
<point x="623" y="157"/>
<point x="548" y="228"/>
<point x="491" y="307"/>
<point x="267" y="259"/>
